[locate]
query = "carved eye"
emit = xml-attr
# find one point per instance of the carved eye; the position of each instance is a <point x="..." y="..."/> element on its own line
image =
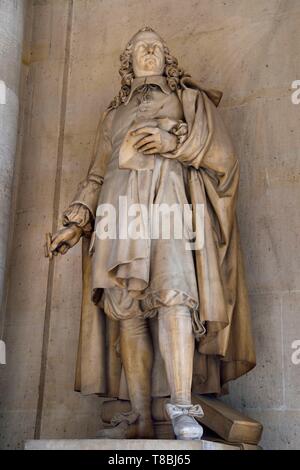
<point x="140" y="48"/>
<point x="158" y="46"/>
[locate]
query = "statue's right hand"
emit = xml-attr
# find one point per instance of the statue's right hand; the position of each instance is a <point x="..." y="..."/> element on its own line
<point x="65" y="238"/>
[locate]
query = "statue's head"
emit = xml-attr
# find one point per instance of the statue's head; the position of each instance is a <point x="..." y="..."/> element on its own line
<point x="146" y="54"/>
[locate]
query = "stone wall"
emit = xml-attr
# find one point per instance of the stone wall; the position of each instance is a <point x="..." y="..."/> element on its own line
<point x="12" y="15"/>
<point x="247" y="49"/>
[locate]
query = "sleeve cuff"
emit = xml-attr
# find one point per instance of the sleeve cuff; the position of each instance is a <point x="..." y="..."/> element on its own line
<point x="181" y="132"/>
<point x="79" y="215"/>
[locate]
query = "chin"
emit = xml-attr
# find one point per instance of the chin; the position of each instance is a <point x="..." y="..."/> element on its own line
<point x="150" y="69"/>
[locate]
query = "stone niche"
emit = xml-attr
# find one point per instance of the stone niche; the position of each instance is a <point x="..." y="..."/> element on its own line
<point x="69" y="74"/>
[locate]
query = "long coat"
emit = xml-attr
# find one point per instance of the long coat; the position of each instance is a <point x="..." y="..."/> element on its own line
<point x="226" y="350"/>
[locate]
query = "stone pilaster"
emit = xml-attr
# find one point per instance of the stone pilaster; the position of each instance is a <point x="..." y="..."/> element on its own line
<point x="11" y="36"/>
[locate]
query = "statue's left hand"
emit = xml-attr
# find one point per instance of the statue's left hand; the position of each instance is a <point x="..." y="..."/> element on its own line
<point x="156" y="141"/>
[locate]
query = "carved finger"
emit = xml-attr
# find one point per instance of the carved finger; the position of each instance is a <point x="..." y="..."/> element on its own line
<point x="57" y="240"/>
<point x="151" y="145"/>
<point x="145" y="140"/>
<point x="146" y="130"/>
<point x="62" y="249"/>
<point x="151" y="151"/>
<point x="54" y="245"/>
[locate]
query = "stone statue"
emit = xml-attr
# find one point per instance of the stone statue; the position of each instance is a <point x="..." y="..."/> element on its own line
<point x="164" y="320"/>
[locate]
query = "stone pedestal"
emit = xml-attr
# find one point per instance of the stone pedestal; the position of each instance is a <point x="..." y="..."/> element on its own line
<point x="219" y="420"/>
<point x="130" y="444"/>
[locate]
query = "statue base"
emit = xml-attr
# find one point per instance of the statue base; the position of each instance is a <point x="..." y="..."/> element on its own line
<point x="133" y="444"/>
<point x="220" y="421"/>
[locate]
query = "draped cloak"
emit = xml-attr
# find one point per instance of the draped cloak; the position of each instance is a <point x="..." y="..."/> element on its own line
<point x="226" y="350"/>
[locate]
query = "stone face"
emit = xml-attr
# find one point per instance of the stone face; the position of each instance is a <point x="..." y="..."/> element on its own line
<point x="247" y="49"/>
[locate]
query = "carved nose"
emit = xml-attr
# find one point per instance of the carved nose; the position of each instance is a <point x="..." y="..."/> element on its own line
<point x="150" y="49"/>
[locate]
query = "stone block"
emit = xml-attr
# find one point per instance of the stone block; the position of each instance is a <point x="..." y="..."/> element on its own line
<point x="126" y="444"/>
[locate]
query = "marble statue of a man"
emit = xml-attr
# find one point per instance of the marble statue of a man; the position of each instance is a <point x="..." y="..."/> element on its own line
<point x="176" y="320"/>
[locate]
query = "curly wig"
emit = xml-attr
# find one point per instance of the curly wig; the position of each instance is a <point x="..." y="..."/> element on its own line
<point x="172" y="71"/>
